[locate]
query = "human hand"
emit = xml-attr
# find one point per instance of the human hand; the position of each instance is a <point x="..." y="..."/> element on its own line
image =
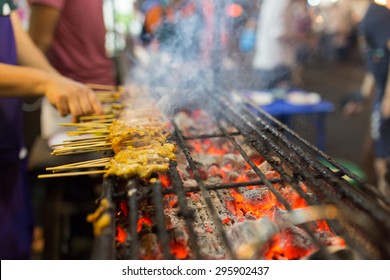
<point x="353" y="103"/>
<point x="352" y="108"/>
<point x="70" y="97"/>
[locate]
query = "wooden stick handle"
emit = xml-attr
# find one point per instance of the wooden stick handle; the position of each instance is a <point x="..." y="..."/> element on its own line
<point x="71" y="174"/>
<point x="99" y="86"/>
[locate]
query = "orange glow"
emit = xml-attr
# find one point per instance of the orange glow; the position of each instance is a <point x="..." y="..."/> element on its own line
<point x="120" y="235"/>
<point x="180" y="251"/>
<point x="123" y="209"/>
<point x="241" y="178"/>
<point x="282" y="247"/>
<point x="234" y="10"/>
<point x="144" y="221"/>
<point x="165" y="180"/>
<point x="214" y="151"/>
<point x="226" y="220"/>
<point x="171" y="199"/>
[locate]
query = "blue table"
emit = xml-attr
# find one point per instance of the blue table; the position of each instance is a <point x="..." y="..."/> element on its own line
<point x="284" y="111"/>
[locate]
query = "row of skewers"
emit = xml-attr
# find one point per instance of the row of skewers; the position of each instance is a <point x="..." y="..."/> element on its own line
<point x="131" y="137"/>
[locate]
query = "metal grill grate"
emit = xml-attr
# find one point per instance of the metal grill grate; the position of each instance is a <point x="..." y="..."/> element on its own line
<point x="361" y="214"/>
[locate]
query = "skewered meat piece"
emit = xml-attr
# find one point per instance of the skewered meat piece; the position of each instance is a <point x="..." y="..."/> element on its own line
<point x="122" y="136"/>
<point x="142" y="161"/>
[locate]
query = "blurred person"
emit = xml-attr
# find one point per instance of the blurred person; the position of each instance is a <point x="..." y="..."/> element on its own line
<point x="279" y="36"/>
<point x="338" y="28"/>
<point x="174" y="30"/>
<point x="72" y="35"/>
<point x="74" y="43"/>
<point x="26" y="72"/>
<point x="175" y="25"/>
<point x="373" y="23"/>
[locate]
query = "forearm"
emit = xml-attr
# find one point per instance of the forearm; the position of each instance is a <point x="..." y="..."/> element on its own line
<point x="387" y="87"/>
<point x="42" y="25"/>
<point x="385" y="106"/>
<point x="20" y="81"/>
<point x="368" y="85"/>
<point x="28" y="53"/>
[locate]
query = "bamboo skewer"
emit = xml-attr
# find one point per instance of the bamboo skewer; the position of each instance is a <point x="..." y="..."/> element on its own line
<point x="91" y="134"/>
<point x="81" y="147"/>
<point x="83" y="139"/>
<point x="76" y="152"/>
<point x="67" y="174"/>
<point x="85" y="124"/>
<point x="93" y="161"/>
<point x="82" y="151"/>
<point x="57" y="169"/>
<point x="98" y="86"/>
<point x="98" y="117"/>
<point x="81" y="143"/>
<point x="94" y="131"/>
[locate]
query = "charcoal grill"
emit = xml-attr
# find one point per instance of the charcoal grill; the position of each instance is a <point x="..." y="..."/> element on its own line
<point x="354" y="210"/>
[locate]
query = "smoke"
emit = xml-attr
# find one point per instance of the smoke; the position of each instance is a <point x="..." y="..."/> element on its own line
<point x="181" y="68"/>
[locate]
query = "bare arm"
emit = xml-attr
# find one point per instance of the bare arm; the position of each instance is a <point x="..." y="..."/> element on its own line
<point x="386" y="98"/>
<point x="43" y="22"/>
<point x="367" y="90"/>
<point x="28" y="53"/>
<point x="36" y="77"/>
<point x="368" y="86"/>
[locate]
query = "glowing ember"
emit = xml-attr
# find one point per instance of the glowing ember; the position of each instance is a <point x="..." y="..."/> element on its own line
<point x="165" y="180"/>
<point x="144" y="221"/>
<point x="179" y="250"/>
<point x="123" y="209"/>
<point x="120" y="234"/>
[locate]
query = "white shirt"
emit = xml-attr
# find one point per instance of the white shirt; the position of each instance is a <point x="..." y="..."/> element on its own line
<point x="270" y="50"/>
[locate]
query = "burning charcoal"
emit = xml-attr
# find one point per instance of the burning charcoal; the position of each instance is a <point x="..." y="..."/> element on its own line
<point x="149" y="247"/>
<point x="265" y="167"/>
<point x="189" y="183"/>
<point x="292" y="243"/>
<point x="234" y="160"/>
<point x="170" y="200"/>
<point x="206" y="160"/>
<point x="179" y="243"/>
<point x="231" y="175"/>
<point x="249" y="237"/>
<point x="172" y="219"/>
<point x="214" y="180"/>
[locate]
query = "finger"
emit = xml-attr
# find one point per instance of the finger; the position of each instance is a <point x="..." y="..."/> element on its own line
<point x="85" y="103"/>
<point x="74" y="106"/>
<point x="95" y="103"/>
<point x="62" y="106"/>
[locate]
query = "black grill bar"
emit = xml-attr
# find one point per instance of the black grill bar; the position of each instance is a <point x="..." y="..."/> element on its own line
<point x="207" y="136"/>
<point x="264" y="150"/>
<point x="104" y="245"/>
<point x="160" y="220"/>
<point x="353" y="194"/>
<point x="271" y="186"/>
<point x="205" y="194"/>
<point x="186" y="212"/>
<point x="232" y="185"/>
<point x="263" y="130"/>
<point x="371" y="190"/>
<point x="356" y="195"/>
<point x="133" y="218"/>
<point x="358" y="205"/>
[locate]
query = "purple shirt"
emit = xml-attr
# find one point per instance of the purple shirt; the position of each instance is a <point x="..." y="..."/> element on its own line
<point x="10" y="108"/>
<point x="78" y="48"/>
<point x="15" y="208"/>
